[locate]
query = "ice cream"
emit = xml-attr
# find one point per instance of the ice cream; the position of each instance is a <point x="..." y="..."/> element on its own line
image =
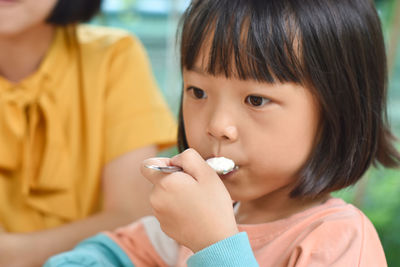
<point x="221" y="165"/>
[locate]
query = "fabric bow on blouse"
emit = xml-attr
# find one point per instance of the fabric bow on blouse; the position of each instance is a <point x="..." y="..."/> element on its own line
<point x="33" y="142"/>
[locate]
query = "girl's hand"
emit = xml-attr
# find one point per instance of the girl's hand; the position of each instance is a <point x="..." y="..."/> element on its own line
<point x="193" y="207"/>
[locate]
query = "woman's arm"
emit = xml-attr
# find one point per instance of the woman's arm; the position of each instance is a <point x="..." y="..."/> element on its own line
<point x="125" y="195"/>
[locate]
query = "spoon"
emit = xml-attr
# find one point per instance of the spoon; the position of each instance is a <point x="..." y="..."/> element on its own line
<point x="171" y="169"/>
<point x="211" y="162"/>
<point x="166" y="169"/>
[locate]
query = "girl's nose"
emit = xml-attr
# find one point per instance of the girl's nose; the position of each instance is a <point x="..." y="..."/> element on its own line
<point x="222" y="126"/>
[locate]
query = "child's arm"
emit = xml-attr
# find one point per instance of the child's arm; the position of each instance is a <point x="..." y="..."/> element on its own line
<point x="99" y="250"/>
<point x="195" y="209"/>
<point x="234" y="251"/>
<point x="131" y="245"/>
<point x="197" y="213"/>
<point x="144" y="244"/>
<point x="193" y="206"/>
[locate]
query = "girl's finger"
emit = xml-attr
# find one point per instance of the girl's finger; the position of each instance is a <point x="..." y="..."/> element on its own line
<point x="154" y="176"/>
<point x="193" y="164"/>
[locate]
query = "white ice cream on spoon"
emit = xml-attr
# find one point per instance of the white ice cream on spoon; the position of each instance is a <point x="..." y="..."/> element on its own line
<point x="221" y="165"/>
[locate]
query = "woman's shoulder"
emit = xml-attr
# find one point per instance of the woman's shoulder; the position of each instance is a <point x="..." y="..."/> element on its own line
<point x="99" y="46"/>
<point x="103" y="37"/>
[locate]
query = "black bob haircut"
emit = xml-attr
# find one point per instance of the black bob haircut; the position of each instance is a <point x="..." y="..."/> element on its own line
<point x="73" y="11"/>
<point x="333" y="47"/>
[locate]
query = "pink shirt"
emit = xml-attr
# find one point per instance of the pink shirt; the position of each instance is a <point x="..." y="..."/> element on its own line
<point x="331" y="234"/>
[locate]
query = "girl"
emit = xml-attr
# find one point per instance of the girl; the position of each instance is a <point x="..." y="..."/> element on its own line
<point x="295" y="93"/>
<point x="79" y="112"/>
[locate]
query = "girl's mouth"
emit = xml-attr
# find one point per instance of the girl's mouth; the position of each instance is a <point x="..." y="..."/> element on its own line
<point x="229" y="174"/>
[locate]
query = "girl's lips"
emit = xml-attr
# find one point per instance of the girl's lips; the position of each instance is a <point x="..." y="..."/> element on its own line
<point x="229" y="174"/>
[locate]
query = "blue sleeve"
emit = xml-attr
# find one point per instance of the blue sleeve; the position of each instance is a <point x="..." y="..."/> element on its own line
<point x="234" y="251"/>
<point x="97" y="251"/>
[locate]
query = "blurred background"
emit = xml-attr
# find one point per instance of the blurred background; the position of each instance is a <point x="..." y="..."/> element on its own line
<point x="154" y="22"/>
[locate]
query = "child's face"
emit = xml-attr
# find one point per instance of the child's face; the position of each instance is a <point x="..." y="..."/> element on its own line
<point x="268" y="130"/>
<point x="17" y="16"/>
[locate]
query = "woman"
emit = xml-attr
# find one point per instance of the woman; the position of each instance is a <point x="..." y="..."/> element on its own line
<point x="79" y="111"/>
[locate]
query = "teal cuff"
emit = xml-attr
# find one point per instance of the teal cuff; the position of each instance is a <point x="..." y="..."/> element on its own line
<point x="234" y="251"/>
<point x="97" y="251"/>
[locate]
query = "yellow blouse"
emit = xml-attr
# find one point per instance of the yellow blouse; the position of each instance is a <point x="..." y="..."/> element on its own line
<point x="92" y="99"/>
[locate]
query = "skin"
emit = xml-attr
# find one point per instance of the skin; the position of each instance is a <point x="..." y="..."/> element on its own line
<point x="24" y="37"/>
<point x="24" y="40"/>
<point x="269" y="130"/>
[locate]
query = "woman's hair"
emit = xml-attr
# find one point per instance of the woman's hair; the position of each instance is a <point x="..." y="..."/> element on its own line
<point x="333" y="47"/>
<point x="73" y="11"/>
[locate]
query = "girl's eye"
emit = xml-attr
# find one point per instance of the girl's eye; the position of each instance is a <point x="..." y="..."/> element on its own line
<point x="197" y="93"/>
<point x="256" y="101"/>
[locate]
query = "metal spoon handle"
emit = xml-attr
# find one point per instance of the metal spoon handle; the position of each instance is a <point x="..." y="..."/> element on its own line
<point x="166" y="169"/>
<point x="170" y="169"/>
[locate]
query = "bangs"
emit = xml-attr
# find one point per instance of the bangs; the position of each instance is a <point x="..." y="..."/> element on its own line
<point x="260" y="42"/>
